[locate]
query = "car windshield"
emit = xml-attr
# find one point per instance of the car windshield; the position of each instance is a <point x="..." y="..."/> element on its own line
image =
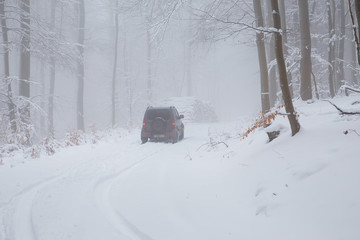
<point x="154" y="113"/>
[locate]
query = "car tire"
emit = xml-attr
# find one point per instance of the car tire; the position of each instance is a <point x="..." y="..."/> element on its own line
<point x="182" y="135"/>
<point x="144" y="140"/>
<point x="175" y="138"/>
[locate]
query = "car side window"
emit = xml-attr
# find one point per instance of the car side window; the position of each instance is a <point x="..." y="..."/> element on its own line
<point x="177" y="114"/>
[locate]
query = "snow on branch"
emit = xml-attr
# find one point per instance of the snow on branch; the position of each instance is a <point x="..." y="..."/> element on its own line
<point x="342" y="112"/>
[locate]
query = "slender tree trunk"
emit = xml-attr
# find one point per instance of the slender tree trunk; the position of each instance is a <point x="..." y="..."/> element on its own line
<point x="43" y="122"/>
<point x="24" y="83"/>
<point x="331" y="50"/>
<point x="80" y="93"/>
<point x="271" y="55"/>
<point x="295" y="126"/>
<point x="127" y="79"/>
<point x="52" y="77"/>
<point x="356" y="32"/>
<point x="113" y="92"/>
<point x="285" y="41"/>
<point x="149" y="63"/>
<point x="305" y="63"/>
<point x="341" y="77"/>
<point x="189" y="55"/>
<point x="4" y="29"/>
<point x="264" y="80"/>
<point x="357" y="13"/>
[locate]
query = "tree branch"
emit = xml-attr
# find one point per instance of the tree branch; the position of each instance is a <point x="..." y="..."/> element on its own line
<point x="342" y="112"/>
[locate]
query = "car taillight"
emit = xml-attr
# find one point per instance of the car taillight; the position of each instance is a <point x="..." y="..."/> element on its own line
<point x="173" y="123"/>
<point x="143" y="124"/>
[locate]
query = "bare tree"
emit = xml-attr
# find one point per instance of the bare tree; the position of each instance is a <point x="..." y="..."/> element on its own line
<point x="272" y="57"/>
<point x="331" y="54"/>
<point x="340" y="75"/>
<point x="9" y="95"/>
<point x="295" y="126"/>
<point x="285" y="41"/>
<point x="80" y="90"/>
<point x="52" y="77"/>
<point x="113" y="93"/>
<point x="264" y="80"/>
<point x="24" y="75"/>
<point x="305" y="63"/>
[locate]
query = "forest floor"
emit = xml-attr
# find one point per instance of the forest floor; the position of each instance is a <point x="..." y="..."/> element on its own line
<point x="210" y="186"/>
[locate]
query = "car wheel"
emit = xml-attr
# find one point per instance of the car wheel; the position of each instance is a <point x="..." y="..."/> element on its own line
<point x="175" y="137"/>
<point x="144" y="140"/>
<point x="182" y="135"/>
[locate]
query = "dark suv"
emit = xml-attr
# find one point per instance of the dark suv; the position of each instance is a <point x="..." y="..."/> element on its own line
<point x="162" y="123"/>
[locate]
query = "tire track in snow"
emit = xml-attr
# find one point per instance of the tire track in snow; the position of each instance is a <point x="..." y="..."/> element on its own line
<point x="102" y="190"/>
<point x="23" y="225"/>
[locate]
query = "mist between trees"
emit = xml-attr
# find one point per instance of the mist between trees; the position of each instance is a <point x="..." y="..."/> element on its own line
<point x="71" y="64"/>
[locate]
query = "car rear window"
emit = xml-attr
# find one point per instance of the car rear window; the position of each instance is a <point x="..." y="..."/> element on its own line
<point x="154" y="113"/>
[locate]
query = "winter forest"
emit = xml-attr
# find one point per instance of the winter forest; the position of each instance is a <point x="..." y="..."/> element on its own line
<point x="268" y="89"/>
<point x="69" y="65"/>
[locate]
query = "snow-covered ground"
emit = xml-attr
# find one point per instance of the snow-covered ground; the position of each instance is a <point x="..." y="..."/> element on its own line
<point x="209" y="186"/>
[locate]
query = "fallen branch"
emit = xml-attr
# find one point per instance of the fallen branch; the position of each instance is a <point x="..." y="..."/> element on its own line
<point x="212" y="144"/>
<point x="347" y="89"/>
<point x="342" y="112"/>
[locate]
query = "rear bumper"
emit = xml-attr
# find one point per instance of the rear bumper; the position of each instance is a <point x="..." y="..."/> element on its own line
<point x="157" y="135"/>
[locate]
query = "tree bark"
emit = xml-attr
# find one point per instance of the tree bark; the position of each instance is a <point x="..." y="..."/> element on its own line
<point x="340" y="75"/>
<point x="295" y="126"/>
<point x="264" y="80"/>
<point x="10" y="104"/>
<point x="52" y="77"/>
<point x="113" y="92"/>
<point x="149" y="63"/>
<point x="271" y="55"/>
<point x="127" y="79"/>
<point x="24" y="83"/>
<point x="331" y="49"/>
<point x="305" y="63"/>
<point x="355" y="33"/>
<point x="189" y="55"/>
<point x="285" y="41"/>
<point x="80" y="93"/>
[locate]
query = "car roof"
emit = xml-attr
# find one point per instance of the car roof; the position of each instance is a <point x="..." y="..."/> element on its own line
<point x="161" y="108"/>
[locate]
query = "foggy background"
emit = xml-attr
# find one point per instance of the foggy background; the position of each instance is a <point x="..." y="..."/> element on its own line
<point x="224" y="73"/>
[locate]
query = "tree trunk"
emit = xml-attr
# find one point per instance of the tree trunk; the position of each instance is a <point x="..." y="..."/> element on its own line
<point x="113" y="92"/>
<point x="357" y="13"/>
<point x="264" y="80"/>
<point x="24" y="83"/>
<point x="331" y="50"/>
<point x="52" y="77"/>
<point x="127" y="79"/>
<point x="10" y="104"/>
<point x="305" y="63"/>
<point x="285" y="41"/>
<point x="80" y="93"/>
<point x="271" y="54"/>
<point x="189" y="55"/>
<point x="340" y="75"/>
<point x="149" y="64"/>
<point x="295" y="126"/>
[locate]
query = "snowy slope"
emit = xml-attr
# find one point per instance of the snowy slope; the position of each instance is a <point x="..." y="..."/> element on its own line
<point x="302" y="187"/>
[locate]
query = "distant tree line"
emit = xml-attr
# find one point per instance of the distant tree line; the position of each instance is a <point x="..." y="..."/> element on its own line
<point x="305" y="48"/>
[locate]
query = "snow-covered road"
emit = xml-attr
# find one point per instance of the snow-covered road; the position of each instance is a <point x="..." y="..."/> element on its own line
<point x="120" y="189"/>
<point x="77" y="194"/>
